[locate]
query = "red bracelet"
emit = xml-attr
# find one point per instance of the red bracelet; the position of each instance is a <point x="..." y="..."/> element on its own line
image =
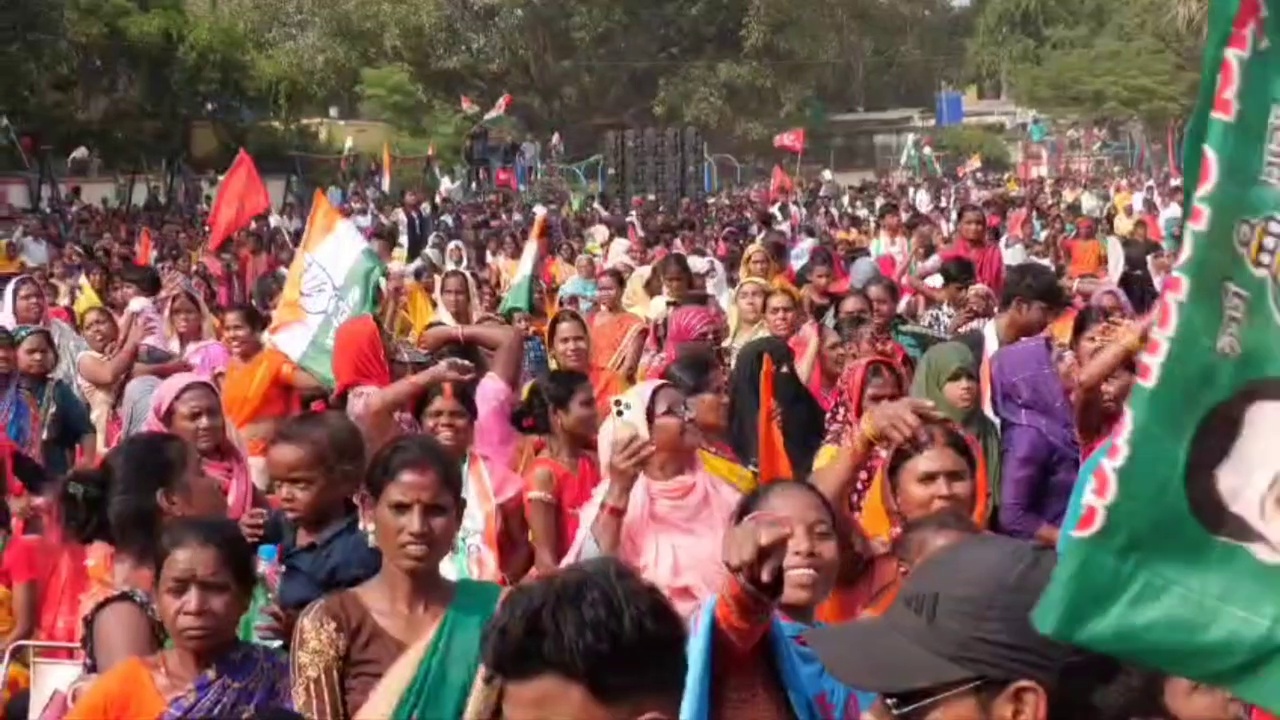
<point x="616" y="511"/>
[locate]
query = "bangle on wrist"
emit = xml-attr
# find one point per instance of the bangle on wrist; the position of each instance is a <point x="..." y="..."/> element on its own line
<point x="613" y="510"/>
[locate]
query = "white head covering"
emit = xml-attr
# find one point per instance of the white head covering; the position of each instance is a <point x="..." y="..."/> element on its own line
<point x="449" y="264"/>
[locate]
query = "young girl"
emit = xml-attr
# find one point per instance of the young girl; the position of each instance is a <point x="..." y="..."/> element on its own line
<point x="561" y="409"/>
<point x="746" y="655"/>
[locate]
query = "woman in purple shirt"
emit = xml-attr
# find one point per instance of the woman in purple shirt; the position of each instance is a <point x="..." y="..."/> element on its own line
<point x="1039" y="447"/>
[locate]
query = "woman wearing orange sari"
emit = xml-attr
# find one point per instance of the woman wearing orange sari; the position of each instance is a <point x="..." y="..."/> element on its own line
<point x="617" y="339"/>
<point x="261" y="386"/>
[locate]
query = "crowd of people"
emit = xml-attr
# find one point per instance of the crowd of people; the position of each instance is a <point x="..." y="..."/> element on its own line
<point x="569" y="507"/>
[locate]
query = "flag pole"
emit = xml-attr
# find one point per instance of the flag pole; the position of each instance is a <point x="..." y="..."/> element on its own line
<point x="799" y="157"/>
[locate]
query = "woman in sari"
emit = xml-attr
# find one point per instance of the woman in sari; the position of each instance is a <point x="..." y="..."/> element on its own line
<point x="865" y="383"/>
<point x="581" y="289"/>
<point x="25" y="304"/>
<point x="40" y="413"/>
<point x="561" y="410"/>
<point x="659" y="509"/>
<point x="103" y="368"/>
<point x="561" y="267"/>
<point x="189" y="326"/>
<point x="413" y="508"/>
<point x="188" y="406"/>
<point x="206" y="577"/>
<point x="617" y="339"/>
<point x="685" y="325"/>
<point x="800" y="417"/>
<point x="757" y="262"/>
<point x="457" y="298"/>
<point x="262" y="386"/>
<point x="747" y="656"/>
<point x="948" y="377"/>
<point x="746" y="314"/>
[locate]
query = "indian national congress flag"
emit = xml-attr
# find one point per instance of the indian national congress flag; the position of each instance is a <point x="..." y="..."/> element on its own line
<point x="333" y="277"/>
<point x="1172" y="559"/>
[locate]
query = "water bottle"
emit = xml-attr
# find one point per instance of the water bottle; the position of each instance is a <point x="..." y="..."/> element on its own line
<point x="264" y="592"/>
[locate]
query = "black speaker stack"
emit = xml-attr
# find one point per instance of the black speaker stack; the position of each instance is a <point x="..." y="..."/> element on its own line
<point x="668" y="163"/>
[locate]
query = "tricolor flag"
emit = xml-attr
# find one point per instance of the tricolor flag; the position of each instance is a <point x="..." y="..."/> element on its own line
<point x="386" y="169"/>
<point x="500" y="107"/>
<point x="144" y="252"/>
<point x="333" y="277"/>
<point x="520" y="295"/>
<point x="469" y="106"/>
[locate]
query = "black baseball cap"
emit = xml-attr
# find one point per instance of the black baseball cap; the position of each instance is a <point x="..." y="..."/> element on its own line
<point x="961" y="615"/>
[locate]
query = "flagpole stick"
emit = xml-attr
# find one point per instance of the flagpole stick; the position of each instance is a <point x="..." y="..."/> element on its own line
<point x="799" y="157"/>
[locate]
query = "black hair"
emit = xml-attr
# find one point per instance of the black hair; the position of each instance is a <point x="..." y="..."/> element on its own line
<point x="464" y="393"/>
<point x="561" y="317"/>
<point x="457" y="273"/>
<point x="332" y="441"/>
<point x="265" y="290"/>
<point x="887" y="209"/>
<point x="250" y="314"/>
<point x="118" y="502"/>
<point x="84" y="319"/>
<point x="29" y="473"/>
<point x="1214" y="437"/>
<point x="958" y="271"/>
<point x="970" y="208"/>
<point x="546" y="394"/>
<point x="616" y="276"/>
<point x="1032" y="282"/>
<point x="597" y="624"/>
<point x="143" y="277"/>
<point x="219" y="534"/>
<point x="693" y="370"/>
<point x="928" y="436"/>
<point x="413" y="452"/>
<point x="751" y="502"/>
<point x="6" y="339"/>
<point x="1085" y="320"/>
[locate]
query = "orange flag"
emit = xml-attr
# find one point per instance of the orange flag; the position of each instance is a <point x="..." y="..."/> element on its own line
<point x="144" y="252"/>
<point x="772" y="453"/>
<point x="241" y="196"/>
<point x="780" y="184"/>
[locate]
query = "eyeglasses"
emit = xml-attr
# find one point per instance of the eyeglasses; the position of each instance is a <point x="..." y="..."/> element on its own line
<point x="903" y="706"/>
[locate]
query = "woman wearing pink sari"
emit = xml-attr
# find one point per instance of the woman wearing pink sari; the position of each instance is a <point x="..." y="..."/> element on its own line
<point x="188" y="405"/>
<point x="658" y="508"/>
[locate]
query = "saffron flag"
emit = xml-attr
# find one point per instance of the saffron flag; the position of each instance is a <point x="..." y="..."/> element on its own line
<point x="144" y="252"/>
<point x="792" y="141"/>
<point x="1170" y="557"/>
<point x="772" y="452"/>
<point x="333" y="277"/>
<point x="241" y="196"/>
<point x="520" y="295"/>
<point x="780" y="184"/>
<point x="386" y="169"/>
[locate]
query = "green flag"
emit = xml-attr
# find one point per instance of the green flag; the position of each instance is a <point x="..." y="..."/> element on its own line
<point x="519" y="295"/>
<point x="1171" y="558"/>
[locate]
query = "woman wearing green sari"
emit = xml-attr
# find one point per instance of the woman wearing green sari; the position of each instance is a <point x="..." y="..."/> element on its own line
<point x="345" y="643"/>
<point x="948" y="376"/>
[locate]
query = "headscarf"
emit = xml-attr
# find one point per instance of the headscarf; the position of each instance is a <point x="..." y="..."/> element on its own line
<point x="802" y="417"/>
<point x="1125" y="306"/>
<point x="740" y="333"/>
<point x="66" y="341"/>
<point x="685" y="324"/>
<point x="232" y="470"/>
<point x="450" y="264"/>
<point x="752" y="250"/>
<point x="846" y="411"/>
<point x="207" y="355"/>
<point x="717" y="285"/>
<point x="937" y="367"/>
<point x="862" y="271"/>
<point x="473" y="303"/>
<point x="359" y="357"/>
<point x="1026" y="389"/>
<point x="672" y="530"/>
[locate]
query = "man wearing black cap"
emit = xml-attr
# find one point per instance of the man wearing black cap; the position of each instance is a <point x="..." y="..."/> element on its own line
<point x="957" y="643"/>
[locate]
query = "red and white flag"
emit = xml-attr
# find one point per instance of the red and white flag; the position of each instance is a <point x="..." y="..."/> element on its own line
<point x="500" y="107"/>
<point x="469" y="106"/>
<point x="792" y="141"/>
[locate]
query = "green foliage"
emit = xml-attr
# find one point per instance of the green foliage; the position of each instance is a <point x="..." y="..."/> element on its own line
<point x="389" y="94"/>
<point x="961" y="143"/>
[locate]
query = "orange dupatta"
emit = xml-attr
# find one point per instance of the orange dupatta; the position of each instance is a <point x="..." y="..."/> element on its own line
<point x="611" y="337"/>
<point x="258" y="390"/>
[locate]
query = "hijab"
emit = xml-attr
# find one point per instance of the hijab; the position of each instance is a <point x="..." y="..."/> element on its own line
<point x="802" y="417"/>
<point x="232" y="468"/>
<point x="939" y="365"/>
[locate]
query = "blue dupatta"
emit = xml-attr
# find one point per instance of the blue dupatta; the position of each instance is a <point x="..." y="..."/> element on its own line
<point x="812" y="693"/>
<point x="248" y="680"/>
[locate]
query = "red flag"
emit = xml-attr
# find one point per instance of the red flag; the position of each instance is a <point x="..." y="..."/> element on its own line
<point x="241" y="197"/>
<point x="771" y="455"/>
<point x="469" y="106"/>
<point x="792" y="141"/>
<point x="500" y="107"/>
<point x="144" y="251"/>
<point x="505" y="177"/>
<point x="780" y="185"/>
